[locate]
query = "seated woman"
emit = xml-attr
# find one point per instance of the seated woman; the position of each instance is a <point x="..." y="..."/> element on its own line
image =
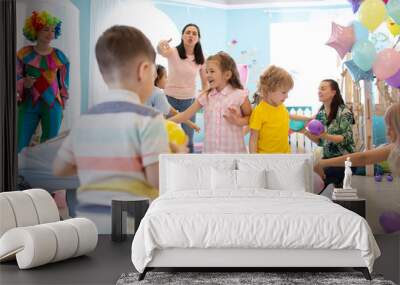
<point x="390" y="152"/>
<point x="337" y="139"/>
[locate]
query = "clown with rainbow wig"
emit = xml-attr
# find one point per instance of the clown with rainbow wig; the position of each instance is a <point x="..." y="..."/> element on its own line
<point x="42" y="79"/>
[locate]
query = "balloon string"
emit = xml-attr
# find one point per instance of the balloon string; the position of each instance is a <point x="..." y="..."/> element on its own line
<point x="398" y="40"/>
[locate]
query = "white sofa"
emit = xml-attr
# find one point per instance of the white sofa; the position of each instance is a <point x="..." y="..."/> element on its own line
<point x="31" y="231"/>
<point x="247" y="210"/>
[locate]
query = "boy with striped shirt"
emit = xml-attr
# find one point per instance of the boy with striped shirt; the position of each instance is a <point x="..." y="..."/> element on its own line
<point x="115" y="145"/>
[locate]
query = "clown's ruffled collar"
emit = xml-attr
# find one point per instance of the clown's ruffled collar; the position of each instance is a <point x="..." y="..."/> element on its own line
<point x="53" y="60"/>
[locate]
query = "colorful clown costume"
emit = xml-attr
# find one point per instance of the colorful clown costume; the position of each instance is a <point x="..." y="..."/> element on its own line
<point x="45" y="100"/>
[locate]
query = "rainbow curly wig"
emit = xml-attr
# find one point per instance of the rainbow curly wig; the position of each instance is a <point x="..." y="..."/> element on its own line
<point x="39" y="20"/>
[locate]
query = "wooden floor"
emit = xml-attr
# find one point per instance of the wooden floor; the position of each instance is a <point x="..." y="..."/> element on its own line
<point x="110" y="259"/>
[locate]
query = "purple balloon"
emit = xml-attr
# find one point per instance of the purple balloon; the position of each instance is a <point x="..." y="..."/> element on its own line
<point x="390" y="221"/>
<point x="315" y="127"/>
<point x="355" y="4"/>
<point x="378" y="178"/>
<point x="394" y="80"/>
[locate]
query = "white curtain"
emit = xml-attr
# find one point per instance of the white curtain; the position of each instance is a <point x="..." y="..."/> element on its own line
<point x="68" y="42"/>
<point x="141" y="14"/>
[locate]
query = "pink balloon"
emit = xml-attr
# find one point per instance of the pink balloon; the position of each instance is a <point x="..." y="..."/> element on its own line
<point x="385" y="1"/>
<point x="342" y="39"/>
<point x="386" y="64"/>
<point x="394" y="80"/>
<point x="244" y="73"/>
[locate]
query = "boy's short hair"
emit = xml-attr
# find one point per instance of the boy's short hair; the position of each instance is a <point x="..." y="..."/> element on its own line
<point x="119" y="44"/>
<point x="275" y="77"/>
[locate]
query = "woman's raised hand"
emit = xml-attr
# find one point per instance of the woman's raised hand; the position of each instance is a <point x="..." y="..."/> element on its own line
<point x="163" y="46"/>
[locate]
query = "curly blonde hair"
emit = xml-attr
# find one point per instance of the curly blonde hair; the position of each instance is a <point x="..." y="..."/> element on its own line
<point x="273" y="78"/>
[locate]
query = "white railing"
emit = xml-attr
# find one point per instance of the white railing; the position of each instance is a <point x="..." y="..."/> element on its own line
<point x="299" y="143"/>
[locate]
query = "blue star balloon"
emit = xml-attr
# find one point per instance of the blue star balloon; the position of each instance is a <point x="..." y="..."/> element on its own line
<point x="358" y="74"/>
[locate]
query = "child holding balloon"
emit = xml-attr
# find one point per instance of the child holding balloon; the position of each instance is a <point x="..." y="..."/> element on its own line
<point x="226" y="107"/>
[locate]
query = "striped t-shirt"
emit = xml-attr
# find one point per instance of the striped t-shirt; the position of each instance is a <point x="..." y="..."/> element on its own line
<point x="115" y="140"/>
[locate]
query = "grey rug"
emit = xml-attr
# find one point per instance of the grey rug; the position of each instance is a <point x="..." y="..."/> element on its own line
<point x="270" y="278"/>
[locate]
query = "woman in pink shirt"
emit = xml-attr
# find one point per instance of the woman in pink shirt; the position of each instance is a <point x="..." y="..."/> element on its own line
<point x="226" y="107"/>
<point x="184" y="63"/>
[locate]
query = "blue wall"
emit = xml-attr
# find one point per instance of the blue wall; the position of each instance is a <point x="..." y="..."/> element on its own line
<point x="251" y="29"/>
<point x="84" y="36"/>
<point x="211" y="21"/>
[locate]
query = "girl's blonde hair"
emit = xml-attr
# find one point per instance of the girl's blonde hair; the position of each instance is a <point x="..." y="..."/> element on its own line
<point x="226" y="63"/>
<point x="392" y="119"/>
<point x="274" y="77"/>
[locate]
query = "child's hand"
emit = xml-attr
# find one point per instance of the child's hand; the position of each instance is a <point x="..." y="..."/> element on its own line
<point x="196" y="128"/>
<point x="232" y="115"/>
<point x="302" y="131"/>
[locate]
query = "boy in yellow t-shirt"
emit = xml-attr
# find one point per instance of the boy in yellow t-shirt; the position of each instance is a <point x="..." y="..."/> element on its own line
<point x="269" y="121"/>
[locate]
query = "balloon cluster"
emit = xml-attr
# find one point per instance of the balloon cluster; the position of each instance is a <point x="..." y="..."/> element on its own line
<point x="366" y="60"/>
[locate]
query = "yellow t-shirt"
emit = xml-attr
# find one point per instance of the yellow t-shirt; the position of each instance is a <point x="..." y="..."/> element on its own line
<point x="272" y="123"/>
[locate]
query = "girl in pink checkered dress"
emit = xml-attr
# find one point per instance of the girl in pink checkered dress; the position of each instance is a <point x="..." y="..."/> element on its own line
<point x="226" y="107"/>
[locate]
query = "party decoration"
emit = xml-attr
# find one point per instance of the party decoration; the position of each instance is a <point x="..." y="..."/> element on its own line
<point x="390" y="221"/>
<point x="393" y="28"/>
<point x="378" y="178"/>
<point x="372" y="13"/>
<point x="380" y="41"/>
<point x="364" y="54"/>
<point x="394" y="80"/>
<point x="355" y="5"/>
<point x="358" y="74"/>
<point x="232" y="43"/>
<point x="387" y="63"/>
<point x="175" y="133"/>
<point x="360" y="32"/>
<point x="342" y="39"/>
<point x="243" y="73"/>
<point x="389" y="178"/>
<point x="315" y="127"/>
<point x="296" y="125"/>
<point x="393" y="9"/>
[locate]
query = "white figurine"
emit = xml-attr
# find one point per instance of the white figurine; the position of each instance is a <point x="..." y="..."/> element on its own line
<point x="347" y="174"/>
